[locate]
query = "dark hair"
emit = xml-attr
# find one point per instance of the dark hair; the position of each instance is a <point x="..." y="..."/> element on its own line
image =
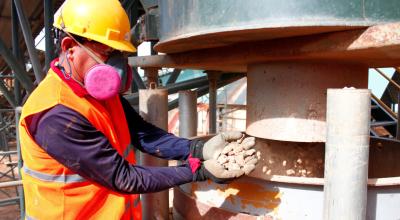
<point x="59" y="35"/>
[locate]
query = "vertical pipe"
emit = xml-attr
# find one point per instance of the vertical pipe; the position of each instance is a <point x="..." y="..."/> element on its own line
<point x="347" y="151"/>
<point x="212" y="103"/>
<point x="398" y="116"/>
<point x="27" y="32"/>
<point x="16" y="50"/>
<point x="187" y="113"/>
<point x="20" y="163"/>
<point x="133" y="13"/>
<point x="153" y="107"/>
<point x="49" y="41"/>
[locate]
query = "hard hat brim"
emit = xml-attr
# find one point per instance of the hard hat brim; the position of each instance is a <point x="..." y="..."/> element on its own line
<point x="119" y="45"/>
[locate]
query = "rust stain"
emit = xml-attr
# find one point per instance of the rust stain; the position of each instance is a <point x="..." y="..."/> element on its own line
<point x="251" y="194"/>
<point x="228" y="193"/>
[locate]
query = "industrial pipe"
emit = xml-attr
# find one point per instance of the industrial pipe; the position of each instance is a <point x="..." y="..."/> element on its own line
<point x="20" y="162"/>
<point x="212" y="102"/>
<point x="346" y="153"/>
<point x="153" y="107"/>
<point x="187" y="114"/>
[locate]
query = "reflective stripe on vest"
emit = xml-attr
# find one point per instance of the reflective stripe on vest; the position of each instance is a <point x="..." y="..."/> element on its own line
<point x="62" y="178"/>
<point x="29" y="218"/>
<point x="47" y="183"/>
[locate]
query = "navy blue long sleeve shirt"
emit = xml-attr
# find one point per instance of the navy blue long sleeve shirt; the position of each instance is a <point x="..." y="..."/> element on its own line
<point x="73" y="141"/>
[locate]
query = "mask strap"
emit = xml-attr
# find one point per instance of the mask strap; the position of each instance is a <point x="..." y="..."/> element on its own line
<point x="89" y="51"/>
<point x="69" y="75"/>
<point x="66" y="75"/>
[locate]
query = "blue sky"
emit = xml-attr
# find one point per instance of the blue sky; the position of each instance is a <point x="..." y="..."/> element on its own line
<point x="376" y="82"/>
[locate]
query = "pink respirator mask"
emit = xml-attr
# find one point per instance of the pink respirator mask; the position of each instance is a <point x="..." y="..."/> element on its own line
<point x="104" y="81"/>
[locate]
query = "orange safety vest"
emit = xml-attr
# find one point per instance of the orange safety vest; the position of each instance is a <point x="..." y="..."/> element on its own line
<point x="52" y="191"/>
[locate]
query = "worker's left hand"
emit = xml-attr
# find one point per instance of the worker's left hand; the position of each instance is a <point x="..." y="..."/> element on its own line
<point x="213" y="147"/>
<point x="211" y="169"/>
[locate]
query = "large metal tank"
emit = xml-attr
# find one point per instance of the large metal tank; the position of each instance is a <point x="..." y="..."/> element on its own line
<point x="191" y="24"/>
<point x="286" y="103"/>
<point x="273" y="194"/>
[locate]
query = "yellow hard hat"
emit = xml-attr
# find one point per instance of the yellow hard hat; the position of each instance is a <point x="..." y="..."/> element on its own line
<point x="104" y="21"/>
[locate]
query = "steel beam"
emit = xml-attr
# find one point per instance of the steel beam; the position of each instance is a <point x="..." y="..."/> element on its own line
<point x="347" y="153"/>
<point x="174" y="76"/>
<point x="137" y="79"/>
<point x="189" y="84"/>
<point x="16" y="49"/>
<point x="19" y="71"/>
<point x="377" y="46"/>
<point x="49" y="40"/>
<point x="204" y="90"/>
<point x="7" y="94"/>
<point x="27" y="32"/>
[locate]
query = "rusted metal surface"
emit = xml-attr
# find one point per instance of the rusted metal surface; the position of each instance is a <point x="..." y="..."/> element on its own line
<point x="290" y="197"/>
<point x="185" y="23"/>
<point x="249" y="198"/>
<point x="384" y="165"/>
<point x="376" y="46"/>
<point x="283" y="161"/>
<point x="288" y="99"/>
<point x="187" y="207"/>
<point x="294" y="159"/>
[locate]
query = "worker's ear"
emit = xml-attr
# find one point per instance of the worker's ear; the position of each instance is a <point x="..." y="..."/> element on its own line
<point x="66" y="44"/>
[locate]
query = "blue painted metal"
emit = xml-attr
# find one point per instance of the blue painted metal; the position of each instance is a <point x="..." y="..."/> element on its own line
<point x="191" y="24"/>
<point x="19" y="71"/>
<point x="16" y="49"/>
<point x="27" y="32"/>
<point x="49" y="39"/>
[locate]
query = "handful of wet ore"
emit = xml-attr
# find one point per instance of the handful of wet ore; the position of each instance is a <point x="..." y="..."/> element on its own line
<point x="239" y="155"/>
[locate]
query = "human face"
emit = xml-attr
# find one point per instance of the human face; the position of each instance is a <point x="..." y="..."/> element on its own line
<point x="83" y="60"/>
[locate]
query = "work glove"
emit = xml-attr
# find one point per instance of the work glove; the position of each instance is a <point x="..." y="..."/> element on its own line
<point x="225" y="158"/>
<point x="211" y="169"/>
<point x="213" y="147"/>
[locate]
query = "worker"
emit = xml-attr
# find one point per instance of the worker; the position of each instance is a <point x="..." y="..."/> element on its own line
<point x="77" y="132"/>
